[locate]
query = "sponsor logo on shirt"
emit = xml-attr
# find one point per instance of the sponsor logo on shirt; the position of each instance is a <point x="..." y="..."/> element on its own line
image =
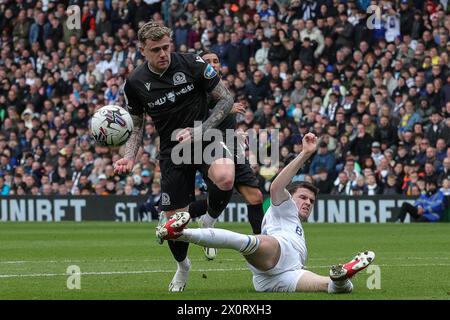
<point x="179" y="78"/>
<point x="171" y="96"/>
<point x="210" y="72"/>
<point x="160" y="101"/>
<point x="185" y="89"/>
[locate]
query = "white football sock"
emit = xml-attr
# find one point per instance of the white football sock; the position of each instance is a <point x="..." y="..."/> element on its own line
<point x="343" y="286"/>
<point x="184" y="265"/>
<point x="180" y="278"/>
<point x="208" y="221"/>
<point x="220" y="238"/>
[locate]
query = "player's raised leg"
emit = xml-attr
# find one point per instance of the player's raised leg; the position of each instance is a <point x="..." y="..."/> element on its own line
<point x="177" y="248"/>
<point x="211" y="237"/>
<point x="220" y="181"/>
<point x="261" y="251"/>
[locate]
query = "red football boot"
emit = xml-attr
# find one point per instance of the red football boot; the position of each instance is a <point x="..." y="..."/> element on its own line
<point x="172" y="228"/>
<point x="348" y="270"/>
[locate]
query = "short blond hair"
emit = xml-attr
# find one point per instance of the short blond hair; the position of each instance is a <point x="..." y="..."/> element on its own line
<point x="154" y="31"/>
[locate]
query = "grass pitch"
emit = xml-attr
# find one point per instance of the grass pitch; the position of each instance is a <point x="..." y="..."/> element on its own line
<point x="123" y="261"/>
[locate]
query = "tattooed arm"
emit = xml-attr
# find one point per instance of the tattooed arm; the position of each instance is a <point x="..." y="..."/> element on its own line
<point x="223" y="106"/>
<point x="135" y="140"/>
<point x="126" y="164"/>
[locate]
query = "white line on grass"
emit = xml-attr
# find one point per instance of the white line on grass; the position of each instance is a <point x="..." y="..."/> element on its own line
<point x="168" y="260"/>
<point x="111" y="273"/>
<point x="98" y="260"/>
<point x="196" y="270"/>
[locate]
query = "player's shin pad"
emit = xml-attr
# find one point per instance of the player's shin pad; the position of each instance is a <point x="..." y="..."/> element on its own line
<point x="217" y="200"/>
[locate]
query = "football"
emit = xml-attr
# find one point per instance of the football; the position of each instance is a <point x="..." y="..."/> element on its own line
<point x="111" y="126"/>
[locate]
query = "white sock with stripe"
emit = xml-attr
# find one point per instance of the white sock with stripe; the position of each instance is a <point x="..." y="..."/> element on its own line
<point x="220" y="238"/>
<point x="342" y="286"/>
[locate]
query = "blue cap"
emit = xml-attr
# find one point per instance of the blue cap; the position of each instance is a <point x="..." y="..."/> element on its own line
<point x="145" y="173"/>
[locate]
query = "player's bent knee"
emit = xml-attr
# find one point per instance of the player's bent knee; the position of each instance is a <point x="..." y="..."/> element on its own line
<point x="253" y="196"/>
<point x="267" y="255"/>
<point x="221" y="173"/>
<point x="224" y="181"/>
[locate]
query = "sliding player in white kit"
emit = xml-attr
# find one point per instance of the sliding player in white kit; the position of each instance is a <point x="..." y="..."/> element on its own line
<point x="277" y="257"/>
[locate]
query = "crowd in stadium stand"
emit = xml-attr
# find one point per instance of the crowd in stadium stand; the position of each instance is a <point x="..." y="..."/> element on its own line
<point x="372" y="82"/>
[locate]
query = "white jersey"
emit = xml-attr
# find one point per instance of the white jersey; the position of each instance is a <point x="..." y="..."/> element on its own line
<point x="283" y="223"/>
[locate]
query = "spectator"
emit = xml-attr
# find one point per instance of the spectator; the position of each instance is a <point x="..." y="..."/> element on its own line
<point x="428" y="207"/>
<point x="219" y="47"/>
<point x="150" y="207"/>
<point x="181" y="31"/>
<point x="139" y="11"/>
<point x="406" y="17"/>
<point x="342" y="185"/>
<point x="233" y="52"/>
<point x="376" y="154"/>
<point x="392" y="23"/>
<point x="256" y="90"/>
<point x="22" y="26"/>
<point x="371" y="186"/>
<point x="306" y="54"/>
<point x="314" y="34"/>
<point x="323" y="159"/>
<point x="430" y="172"/>
<point x="343" y="31"/>
<point x="392" y="186"/>
<point x="434" y="130"/>
<point x="360" y="145"/>
<point x="445" y="189"/>
<point x="4" y="188"/>
<point x="409" y="118"/>
<point x="50" y="87"/>
<point x="108" y="63"/>
<point x="261" y="55"/>
<point x="277" y="52"/>
<point x="359" y="187"/>
<point x="322" y="181"/>
<point x="38" y="30"/>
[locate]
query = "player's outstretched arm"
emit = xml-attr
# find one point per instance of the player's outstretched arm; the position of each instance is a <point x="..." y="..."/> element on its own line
<point x="278" y="192"/>
<point x="223" y="106"/>
<point x="126" y="164"/>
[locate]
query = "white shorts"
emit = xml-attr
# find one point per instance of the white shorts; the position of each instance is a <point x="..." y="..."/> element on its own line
<point x="285" y="275"/>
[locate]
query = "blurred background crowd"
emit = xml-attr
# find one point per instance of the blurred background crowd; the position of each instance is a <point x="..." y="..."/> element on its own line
<point x="371" y="78"/>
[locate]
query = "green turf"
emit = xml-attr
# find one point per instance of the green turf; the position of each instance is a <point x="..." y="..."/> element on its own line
<point x="123" y="261"/>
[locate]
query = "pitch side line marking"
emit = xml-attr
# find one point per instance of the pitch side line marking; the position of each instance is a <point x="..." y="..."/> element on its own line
<point x="197" y="270"/>
<point x="112" y="273"/>
<point x="197" y="260"/>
